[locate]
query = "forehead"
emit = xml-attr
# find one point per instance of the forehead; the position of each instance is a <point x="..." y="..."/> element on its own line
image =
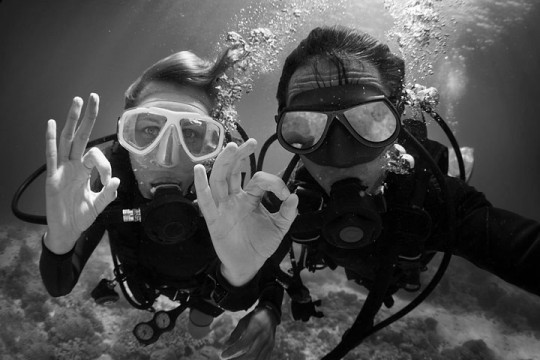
<point x="175" y="97"/>
<point x="323" y="73"/>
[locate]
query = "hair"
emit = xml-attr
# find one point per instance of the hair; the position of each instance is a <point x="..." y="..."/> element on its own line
<point x="341" y="45"/>
<point x="182" y="68"/>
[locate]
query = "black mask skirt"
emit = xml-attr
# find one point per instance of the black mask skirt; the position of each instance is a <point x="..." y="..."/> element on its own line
<point x="341" y="145"/>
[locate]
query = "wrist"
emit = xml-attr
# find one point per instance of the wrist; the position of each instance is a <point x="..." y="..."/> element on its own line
<point x="271" y="310"/>
<point x="230" y="297"/>
<point x="236" y="279"/>
<point x="59" y="244"/>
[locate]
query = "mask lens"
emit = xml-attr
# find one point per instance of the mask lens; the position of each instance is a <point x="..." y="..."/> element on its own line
<point x="303" y="129"/>
<point x="141" y="130"/>
<point x="373" y="121"/>
<point x="201" y="137"/>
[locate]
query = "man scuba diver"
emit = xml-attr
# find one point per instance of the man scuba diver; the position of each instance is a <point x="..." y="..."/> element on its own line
<point x="145" y="201"/>
<point x="340" y="106"/>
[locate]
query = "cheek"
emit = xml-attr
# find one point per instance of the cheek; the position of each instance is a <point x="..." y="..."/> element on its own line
<point x="141" y="167"/>
<point x="139" y="162"/>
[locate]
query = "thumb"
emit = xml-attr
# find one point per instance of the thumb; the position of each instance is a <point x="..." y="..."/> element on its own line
<point x="106" y="195"/>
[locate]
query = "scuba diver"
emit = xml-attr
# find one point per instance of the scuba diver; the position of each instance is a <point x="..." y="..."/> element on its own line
<point x="147" y="196"/>
<point x="374" y="194"/>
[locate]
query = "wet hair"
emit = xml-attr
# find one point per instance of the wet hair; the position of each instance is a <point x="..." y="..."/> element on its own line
<point x="341" y="45"/>
<point x="182" y="68"/>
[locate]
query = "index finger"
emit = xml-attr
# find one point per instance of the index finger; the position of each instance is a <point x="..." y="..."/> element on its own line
<point x="235" y="175"/>
<point x="262" y="182"/>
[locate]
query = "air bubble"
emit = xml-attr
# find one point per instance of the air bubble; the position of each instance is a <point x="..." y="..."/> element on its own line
<point x="260" y="38"/>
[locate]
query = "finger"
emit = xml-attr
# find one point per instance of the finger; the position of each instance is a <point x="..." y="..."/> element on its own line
<point x="66" y="138"/>
<point x="266" y="351"/>
<point x="238" y="330"/>
<point x="220" y="171"/>
<point x="409" y="159"/>
<point x="258" y="350"/>
<point x="50" y="148"/>
<point x="288" y="212"/>
<point x="85" y="128"/>
<point x="94" y="158"/>
<point x="400" y="149"/>
<point x="235" y="175"/>
<point x="263" y="181"/>
<point x="204" y="194"/>
<point x="254" y="351"/>
<point x="236" y="349"/>
<point x="106" y="195"/>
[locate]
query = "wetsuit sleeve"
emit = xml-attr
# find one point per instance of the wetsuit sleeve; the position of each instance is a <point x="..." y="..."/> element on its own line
<point x="262" y="287"/>
<point x="271" y="293"/>
<point x="496" y="240"/>
<point x="60" y="273"/>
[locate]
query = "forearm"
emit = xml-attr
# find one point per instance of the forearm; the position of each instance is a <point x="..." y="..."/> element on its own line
<point x="261" y="287"/>
<point x="57" y="271"/>
<point x="496" y="240"/>
<point x="60" y="273"/>
<point x="234" y="298"/>
<point x="504" y="244"/>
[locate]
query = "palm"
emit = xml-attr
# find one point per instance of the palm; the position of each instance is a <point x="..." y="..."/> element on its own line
<point x="240" y="223"/>
<point x="71" y="205"/>
<point x="243" y="232"/>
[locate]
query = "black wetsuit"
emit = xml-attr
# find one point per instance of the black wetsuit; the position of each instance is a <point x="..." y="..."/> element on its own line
<point x="149" y="266"/>
<point x="499" y="241"/>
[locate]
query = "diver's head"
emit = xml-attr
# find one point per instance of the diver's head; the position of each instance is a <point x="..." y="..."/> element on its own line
<point x="342" y="46"/>
<point x="166" y="126"/>
<point x="338" y="97"/>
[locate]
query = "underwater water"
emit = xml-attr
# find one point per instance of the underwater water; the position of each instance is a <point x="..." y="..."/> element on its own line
<point x="481" y="55"/>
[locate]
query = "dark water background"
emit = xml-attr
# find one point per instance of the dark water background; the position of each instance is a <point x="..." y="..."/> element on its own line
<point x="52" y="51"/>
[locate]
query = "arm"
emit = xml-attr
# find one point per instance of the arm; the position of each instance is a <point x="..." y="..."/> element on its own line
<point x="262" y="287"/>
<point x="71" y="205"/>
<point x="245" y="236"/>
<point x="60" y="273"/>
<point x="496" y="240"/>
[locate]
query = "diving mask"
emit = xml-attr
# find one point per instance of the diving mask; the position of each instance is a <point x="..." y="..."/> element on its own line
<point x="357" y="123"/>
<point x="140" y="130"/>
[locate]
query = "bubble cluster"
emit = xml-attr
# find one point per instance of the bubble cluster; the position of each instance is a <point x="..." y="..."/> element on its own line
<point x="419" y="30"/>
<point x="487" y="20"/>
<point x="395" y="162"/>
<point x="419" y="98"/>
<point x="261" y="34"/>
